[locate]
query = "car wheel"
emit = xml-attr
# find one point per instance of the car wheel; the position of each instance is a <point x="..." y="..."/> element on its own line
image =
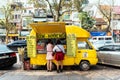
<point x="84" y="65"/>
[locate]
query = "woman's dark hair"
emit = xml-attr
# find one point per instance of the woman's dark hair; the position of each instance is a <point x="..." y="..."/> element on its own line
<point x="58" y="42"/>
<point x="49" y="41"/>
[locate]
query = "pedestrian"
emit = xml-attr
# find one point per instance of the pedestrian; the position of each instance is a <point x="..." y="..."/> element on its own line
<point x="59" y="55"/>
<point x="49" y="56"/>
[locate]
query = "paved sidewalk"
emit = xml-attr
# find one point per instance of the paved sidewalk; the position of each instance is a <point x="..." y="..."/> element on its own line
<point x="42" y="75"/>
<point x="105" y="74"/>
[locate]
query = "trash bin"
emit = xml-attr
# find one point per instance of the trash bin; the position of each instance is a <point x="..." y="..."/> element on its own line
<point x="27" y="65"/>
<point x="26" y="62"/>
<point x="21" y="54"/>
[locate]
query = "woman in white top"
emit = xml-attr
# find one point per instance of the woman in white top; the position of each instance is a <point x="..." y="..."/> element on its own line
<point x="59" y="57"/>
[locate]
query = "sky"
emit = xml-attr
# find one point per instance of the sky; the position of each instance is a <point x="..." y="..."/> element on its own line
<point x="2" y="2"/>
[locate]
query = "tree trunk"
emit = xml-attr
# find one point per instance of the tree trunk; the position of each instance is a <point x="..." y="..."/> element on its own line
<point x="51" y="9"/>
<point x="6" y="39"/>
<point x="58" y="17"/>
<point x="109" y="26"/>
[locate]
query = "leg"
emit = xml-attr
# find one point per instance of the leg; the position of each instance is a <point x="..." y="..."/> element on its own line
<point x="58" y="63"/>
<point x="50" y="65"/>
<point x="61" y="65"/>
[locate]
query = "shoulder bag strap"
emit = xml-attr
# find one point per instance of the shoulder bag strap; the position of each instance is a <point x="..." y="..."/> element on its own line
<point x="59" y="48"/>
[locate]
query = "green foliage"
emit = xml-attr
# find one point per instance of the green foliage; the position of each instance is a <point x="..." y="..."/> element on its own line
<point x="7" y="11"/>
<point x="79" y="4"/>
<point x="87" y="21"/>
<point x="38" y="3"/>
<point x="58" y="7"/>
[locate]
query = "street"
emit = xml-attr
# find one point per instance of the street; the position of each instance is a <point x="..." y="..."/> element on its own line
<point x="39" y="38"/>
<point x="98" y="72"/>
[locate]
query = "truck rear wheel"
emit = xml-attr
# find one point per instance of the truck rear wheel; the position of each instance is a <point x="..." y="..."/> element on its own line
<point x="84" y="65"/>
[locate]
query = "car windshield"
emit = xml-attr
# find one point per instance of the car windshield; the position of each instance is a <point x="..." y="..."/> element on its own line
<point x="19" y="41"/>
<point x="3" y="48"/>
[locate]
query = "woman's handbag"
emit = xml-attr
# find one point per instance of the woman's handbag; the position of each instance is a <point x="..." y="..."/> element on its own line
<point x="53" y="53"/>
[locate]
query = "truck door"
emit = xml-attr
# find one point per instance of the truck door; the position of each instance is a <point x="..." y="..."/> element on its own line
<point x="84" y="51"/>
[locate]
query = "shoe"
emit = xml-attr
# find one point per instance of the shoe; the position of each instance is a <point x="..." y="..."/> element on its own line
<point x="58" y="71"/>
<point x="48" y="70"/>
<point x="61" y="70"/>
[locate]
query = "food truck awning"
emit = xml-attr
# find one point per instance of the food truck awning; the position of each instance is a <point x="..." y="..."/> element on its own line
<point x="48" y="27"/>
<point x="78" y="31"/>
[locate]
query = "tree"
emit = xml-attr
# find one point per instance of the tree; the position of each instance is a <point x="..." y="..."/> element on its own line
<point x="80" y="4"/>
<point x="38" y="3"/>
<point x="56" y="7"/>
<point x="28" y="21"/>
<point x="7" y="11"/>
<point x="87" y="21"/>
<point x="106" y="11"/>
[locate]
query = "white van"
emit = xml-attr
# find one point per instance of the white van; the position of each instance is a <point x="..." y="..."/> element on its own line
<point x="99" y="41"/>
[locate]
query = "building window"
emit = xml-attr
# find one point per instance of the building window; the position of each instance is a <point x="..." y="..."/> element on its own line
<point x="18" y="16"/>
<point x="15" y="16"/>
<point x="25" y="11"/>
<point x="30" y="11"/>
<point x="24" y="23"/>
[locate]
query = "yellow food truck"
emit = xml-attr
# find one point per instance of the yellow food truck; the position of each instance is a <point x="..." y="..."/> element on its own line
<point x="79" y="50"/>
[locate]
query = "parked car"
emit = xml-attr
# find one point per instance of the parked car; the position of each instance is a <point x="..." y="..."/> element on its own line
<point x="17" y="44"/>
<point x="109" y="54"/>
<point x="7" y="56"/>
<point x="100" y="43"/>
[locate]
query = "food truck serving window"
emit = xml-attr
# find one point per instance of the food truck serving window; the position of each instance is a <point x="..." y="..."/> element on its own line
<point x="42" y="40"/>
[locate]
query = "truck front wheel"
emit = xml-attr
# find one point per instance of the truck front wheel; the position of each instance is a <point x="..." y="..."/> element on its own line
<point x="84" y="65"/>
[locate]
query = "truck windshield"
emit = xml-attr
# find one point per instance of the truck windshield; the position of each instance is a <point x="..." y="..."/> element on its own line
<point x="83" y="45"/>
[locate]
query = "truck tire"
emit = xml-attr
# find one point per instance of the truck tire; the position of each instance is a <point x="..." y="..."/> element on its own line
<point x="84" y="65"/>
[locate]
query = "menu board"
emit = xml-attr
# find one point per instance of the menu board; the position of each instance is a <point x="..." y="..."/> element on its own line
<point x="31" y="46"/>
<point x="71" y="44"/>
<point x="51" y="35"/>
